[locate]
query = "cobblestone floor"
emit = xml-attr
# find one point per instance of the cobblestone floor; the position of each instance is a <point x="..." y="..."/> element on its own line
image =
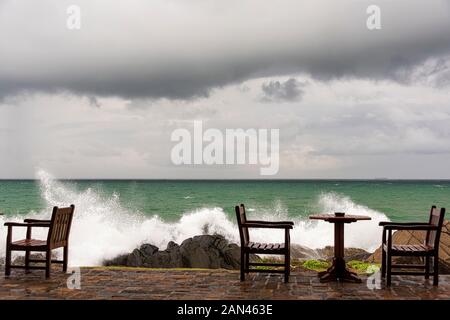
<point x="117" y="283"/>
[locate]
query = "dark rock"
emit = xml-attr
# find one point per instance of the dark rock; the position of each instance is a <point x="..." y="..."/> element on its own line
<point x="327" y="253"/>
<point x="172" y="245"/>
<point x="210" y="252"/>
<point x="169" y="258"/>
<point x="303" y="253"/>
<point x="206" y="251"/>
<point x="135" y="259"/>
<point x="148" y="249"/>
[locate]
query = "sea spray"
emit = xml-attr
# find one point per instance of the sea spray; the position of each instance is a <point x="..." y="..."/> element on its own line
<point x="362" y="234"/>
<point x="103" y="228"/>
<point x="318" y="234"/>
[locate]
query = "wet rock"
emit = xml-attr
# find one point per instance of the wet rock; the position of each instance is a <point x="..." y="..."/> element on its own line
<point x="304" y="253"/>
<point x="300" y="252"/>
<point x="327" y="253"/>
<point x="205" y="251"/>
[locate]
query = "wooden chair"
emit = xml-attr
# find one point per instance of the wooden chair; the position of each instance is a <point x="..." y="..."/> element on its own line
<point x="429" y="249"/>
<point x="58" y="237"/>
<point x="248" y="247"/>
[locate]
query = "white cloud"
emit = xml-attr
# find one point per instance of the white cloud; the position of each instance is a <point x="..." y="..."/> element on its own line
<point x="337" y="126"/>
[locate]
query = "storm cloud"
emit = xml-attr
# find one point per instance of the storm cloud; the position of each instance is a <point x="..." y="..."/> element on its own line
<point x="103" y="101"/>
<point x="276" y="91"/>
<point x="181" y="49"/>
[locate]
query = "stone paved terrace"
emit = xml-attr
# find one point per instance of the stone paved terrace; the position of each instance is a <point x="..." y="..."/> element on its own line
<point x="122" y="283"/>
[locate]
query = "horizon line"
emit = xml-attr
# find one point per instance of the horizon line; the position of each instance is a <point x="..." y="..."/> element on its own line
<point x="231" y="179"/>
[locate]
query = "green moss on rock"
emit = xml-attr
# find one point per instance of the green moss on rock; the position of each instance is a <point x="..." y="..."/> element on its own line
<point x="363" y="267"/>
<point x="356" y="265"/>
<point x="316" y="265"/>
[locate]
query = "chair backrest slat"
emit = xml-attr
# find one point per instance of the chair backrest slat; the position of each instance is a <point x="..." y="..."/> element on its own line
<point x="60" y="224"/>
<point x="241" y="218"/>
<point x="437" y="220"/>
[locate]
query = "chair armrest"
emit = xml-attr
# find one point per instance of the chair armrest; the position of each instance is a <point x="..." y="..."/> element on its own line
<point x="36" y="220"/>
<point x="28" y="225"/>
<point x="387" y="223"/>
<point x="266" y="225"/>
<point x="271" y="222"/>
<point x="18" y="224"/>
<point x="422" y="227"/>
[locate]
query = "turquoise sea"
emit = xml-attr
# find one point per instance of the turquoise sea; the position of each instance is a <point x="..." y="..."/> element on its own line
<point x="399" y="200"/>
<point x="117" y="215"/>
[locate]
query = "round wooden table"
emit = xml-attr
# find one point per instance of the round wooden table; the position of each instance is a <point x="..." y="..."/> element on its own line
<point x="338" y="270"/>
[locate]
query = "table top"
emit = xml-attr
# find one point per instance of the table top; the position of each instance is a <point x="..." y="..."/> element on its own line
<point x="348" y="218"/>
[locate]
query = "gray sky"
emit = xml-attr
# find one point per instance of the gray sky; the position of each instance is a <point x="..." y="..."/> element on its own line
<point x="102" y="101"/>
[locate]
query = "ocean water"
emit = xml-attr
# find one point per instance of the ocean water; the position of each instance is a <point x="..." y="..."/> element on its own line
<point x="114" y="217"/>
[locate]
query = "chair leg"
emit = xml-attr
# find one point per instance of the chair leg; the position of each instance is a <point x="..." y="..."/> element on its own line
<point x="383" y="263"/>
<point x="27" y="261"/>
<point x="436" y="270"/>
<point x="247" y="262"/>
<point x="48" y="263"/>
<point x="287" y="267"/>
<point x="8" y="262"/>
<point x="242" y="265"/>
<point x="389" y="269"/>
<point x="66" y="258"/>
<point x="427" y="267"/>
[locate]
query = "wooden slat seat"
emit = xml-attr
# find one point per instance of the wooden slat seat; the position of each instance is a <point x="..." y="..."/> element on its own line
<point x="32" y="244"/>
<point x="58" y="237"/>
<point x="248" y="247"/>
<point x="409" y="248"/>
<point x="268" y="247"/>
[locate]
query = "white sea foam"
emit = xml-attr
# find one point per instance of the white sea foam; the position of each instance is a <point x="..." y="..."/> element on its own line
<point x="103" y="228"/>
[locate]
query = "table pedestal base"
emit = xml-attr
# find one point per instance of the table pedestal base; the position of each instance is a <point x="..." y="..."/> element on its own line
<point x="338" y="272"/>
